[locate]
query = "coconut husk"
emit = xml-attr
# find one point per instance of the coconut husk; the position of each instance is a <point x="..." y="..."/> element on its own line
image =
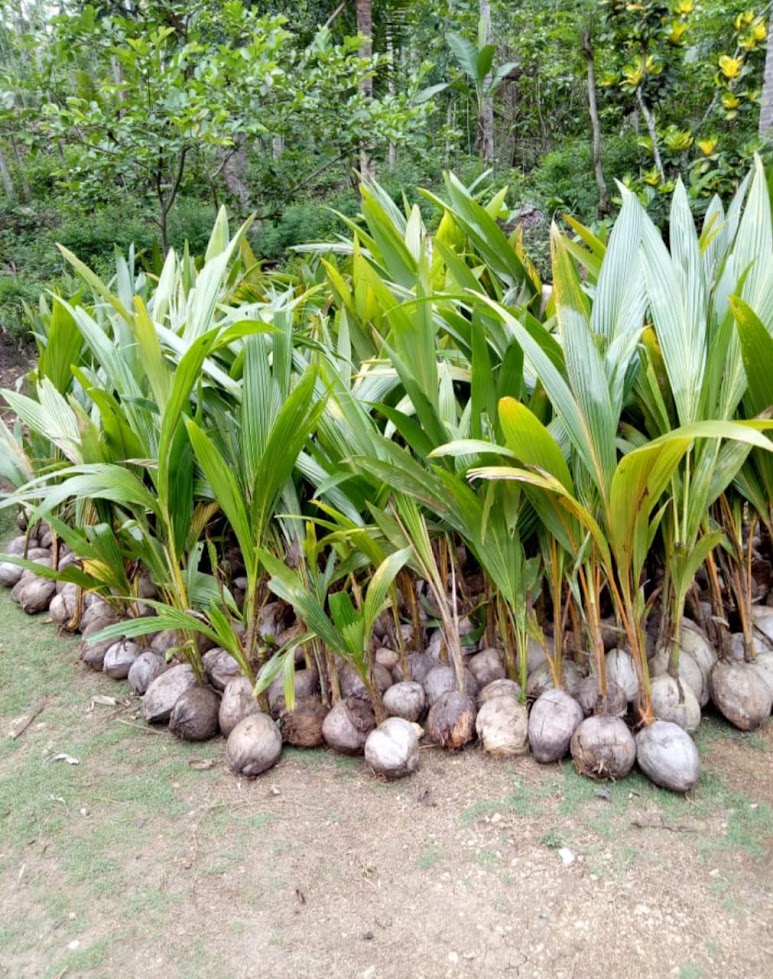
<point x="46" y="537"/>
<point x="93" y="653"/>
<point x="695" y="641"/>
<point x="165" y="640"/>
<point x="10" y="574"/>
<point x="144" y="670"/>
<point x="442" y="679"/>
<point x="603" y="747"/>
<point x="253" y="746"/>
<point x="589" y="698"/>
<point x="552" y="722"/>
<point x="387" y="658"/>
<point x="741" y="694"/>
<point x="621" y="670"/>
<point x="406" y="700"/>
<point x="194" y="716"/>
<point x="763" y="665"/>
<point x="668" y="700"/>
<point x="18" y="545"/>
<point x="97" y="611"/>
<point x="487" y="666"/>
<point x="451" y="720"/>
<point x="306" y="683"/>
<point x="502" y="726"/>
<point x="119" y="659"/>
<point x="499" y="688"/>
<point x="164" y="692"/>
<point x="392" y="749"/>
<point x="347" y="726"/>
<point x="237" y="703"/>
<point x="58" y="610"/>
<point x="667" y="755"/>
<point x="302" y="726"/>
<point x="419" y="665"/>
<point x="220" y="667"/>
<point x="762" y="617"/>
<point x="35" y="594"/>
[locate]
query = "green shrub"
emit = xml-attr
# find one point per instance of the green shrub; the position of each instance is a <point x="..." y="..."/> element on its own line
<point x="15" y="292"/>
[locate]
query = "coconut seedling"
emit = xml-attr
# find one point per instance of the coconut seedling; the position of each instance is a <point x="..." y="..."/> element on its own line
<point x="347" y="627"/>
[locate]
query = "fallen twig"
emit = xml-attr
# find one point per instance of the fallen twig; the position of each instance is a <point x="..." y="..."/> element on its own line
<point x="35" y="713"/>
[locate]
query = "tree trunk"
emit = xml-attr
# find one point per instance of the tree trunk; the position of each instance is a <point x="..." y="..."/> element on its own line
<point x="649" y="119"/>
<point x="766" y="110"/>
<point x="587" y="50"/>
<point x="25" y="187"/>
<point x="5" y="174"/>
<point x="235" y="177"/>
<point x="485" y="141"/>
<point x="365" y="29"/>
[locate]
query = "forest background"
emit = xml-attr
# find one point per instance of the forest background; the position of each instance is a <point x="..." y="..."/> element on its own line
<point x="133" y="121"/>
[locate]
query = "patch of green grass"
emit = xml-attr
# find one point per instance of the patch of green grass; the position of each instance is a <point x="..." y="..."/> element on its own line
<point x="80" y="960"/>
<point x="429" y="856"/>
<point x="691" y="971"/>
<point x="716" y="729"/>
<point x="486" y="859"/>
<point x="552" y="840"/>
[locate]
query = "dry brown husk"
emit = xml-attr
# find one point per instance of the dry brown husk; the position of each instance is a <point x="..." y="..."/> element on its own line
<point x="164" y="692"/>
<point x="253" y="746"/>
<point x="667" y="755"/>
<point x="552" y="722"/>
<point x="405" y="699"/>
<point x="740" y="694"/>
<point x="306" y="684"/>
<point x="144" y="671"/>
<point x="238" y="702"/>
<point x="541" y="679"/>
<point x="58" y="610"/>
<point x="194" y="716"/>
<point x="220" y="667"/>
<point x="451" y="720"/>
<point x="392" y="749"/>
<point x="35" y="594"/>
<point x="442" y="679"/>
<point x="96" y="610"/>
<point x="603" y="747"/>
<point x="10" y="574"/>
<point x="387" y="657"/>
<point x="589" y="698"/>
<point x="93" y="653"/>
<point x="487" y="666"/>
<point x="165" y="640"/>
<point x="348" y="724"/>
<point x="502" y="726"/>
<point x="499" y="688"/>
<point x="763" y="664"/>
<point x="119" y="658"/>
<point x="302" y="726"/>
<point x="19" y="544"/>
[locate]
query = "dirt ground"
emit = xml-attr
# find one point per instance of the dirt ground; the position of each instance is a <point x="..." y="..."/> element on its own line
<point x="15" y="360"/>
<point x="147" y="858"/>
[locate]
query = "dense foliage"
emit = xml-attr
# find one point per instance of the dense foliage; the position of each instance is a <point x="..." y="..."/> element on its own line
<point x="132" y="122"/>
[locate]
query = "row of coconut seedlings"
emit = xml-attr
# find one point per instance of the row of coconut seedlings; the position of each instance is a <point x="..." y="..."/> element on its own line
<point x="423" y="701"/>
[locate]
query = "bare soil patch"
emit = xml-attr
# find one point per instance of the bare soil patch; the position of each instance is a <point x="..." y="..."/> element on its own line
<point x="15" y="359"/>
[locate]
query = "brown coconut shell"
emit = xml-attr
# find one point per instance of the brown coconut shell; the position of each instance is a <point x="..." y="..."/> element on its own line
<point x="165" y="640"/>
<point x="97" y="611"/>
<point x="667" y="755"/>
<point x="348" y="724"/>
<point x="237" y="703"/>
<point x="502" y="726"/>
<point x="603" y="747"/>
<point x="93" y="653"/>
<point x="144" y="670"/>
<point x="119" y="659"/>
<point x="35" y="594"/>
<point x="10" y="574"/>
<point x="194" y="716"/>
<point x="164" y="692"/>
<point x="451" y="720"/>
<point x="589" y="698"/>
<point x="306" y="683"/>
<point x="740" y="694"/>
<point x="442" y="679"/>
<point x="302" y="726"/>
<point x="405" y="699"/>
<point x="220" y="667"/>
<point x="253" y="746"/>
<point x="552" y="722"/>
<point x="392" y="749"/>
<point x="487" y="666"/>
